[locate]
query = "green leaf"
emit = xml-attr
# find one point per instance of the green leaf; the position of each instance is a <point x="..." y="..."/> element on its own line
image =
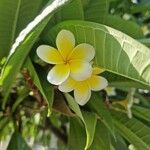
<point x="4" y="121"/>
<point x="120" y="81"/>
<point x="143" y="100"/>
<point x="111" y="47"/>
<point x="102" y="138"/>
<point x="98" y="11"/>
<point x="133" y="130"/>
<point x="90" y="121"/>
<point x="17" y="143"/>
<point x="41" y="83"/>
<point x="141" y="112"/>
<point x="97" y="105"/>
<point x="21" y="96"/>
<point x="139" y="8"/>
<point x="14" y="16"/>
<point x="88" y="118"/>
<point x="73" y="10"/>
<point x="23" y="45"/>
<point x="76" y="135"/>
<point x="126" y="26"/>
<point x="119" y="143"/>
<point x="145" y="41"/>
<point x="74" y="106"/>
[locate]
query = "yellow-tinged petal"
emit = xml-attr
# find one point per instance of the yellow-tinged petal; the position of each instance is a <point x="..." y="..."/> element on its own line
<point x="58" y="74"/>
<point x="97" y="83"/>
<point x="49" y="54"/>
<point x="80" y="70"/>
<point x="83" y="51"/>
<point x="82" y="93"/>
<point x="97" y="70"/>
<point x="65" y="42"/>
<point x="67" y="86"/>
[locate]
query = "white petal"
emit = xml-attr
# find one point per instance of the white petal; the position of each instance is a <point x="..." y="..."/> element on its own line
<point x="80" y="70"/>
<point x="65" y="42"/>
<point x="58" y="74"/>
<point x="49" y="54"/>
<point x="83" y="51"/>
<point x="97" y="83"/>
<point x="82" y="94"/>
<point x="67" y="86"/>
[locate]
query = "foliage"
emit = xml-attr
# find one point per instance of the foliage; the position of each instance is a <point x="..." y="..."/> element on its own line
<point x="32" y="111"/>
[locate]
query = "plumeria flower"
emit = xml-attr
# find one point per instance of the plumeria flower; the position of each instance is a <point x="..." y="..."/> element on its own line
<point x="69" y="60"/>
<point x="82" y="89"/>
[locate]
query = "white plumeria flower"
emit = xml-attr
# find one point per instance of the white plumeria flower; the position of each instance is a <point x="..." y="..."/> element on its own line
<point x="82" y="89"/>
<point x="68" y="59"/>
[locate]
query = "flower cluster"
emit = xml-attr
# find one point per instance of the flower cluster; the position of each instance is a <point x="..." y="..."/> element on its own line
<point x="72" y="67"/>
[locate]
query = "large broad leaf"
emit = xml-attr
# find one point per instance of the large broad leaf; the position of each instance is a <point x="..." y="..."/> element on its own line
<point x="90" y="121"/>
<point x="119" y="143"/>
<point x="126" y="26"/>
<point x="115" y="51"/>
<point x="14" y="16"/>
<point x="88" y="118"/>
<point x="23" y="44"/>
<point x="120" y="81"/>
<point x="23" y="93"/>
<point x="97" y="105"/>
<point x="141" y="112"/>
<point x="133" y="130"/>
<point x="102" y="139"/>
<point x="17" y="143"/>
<point x="41" y="83"/>
<point x="76" y="135"/>
<point x="73" y="10"/>
<point x="98" y="11"/>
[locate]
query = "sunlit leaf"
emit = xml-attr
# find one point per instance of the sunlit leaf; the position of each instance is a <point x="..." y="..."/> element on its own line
<point x="89" y="119"/>
<point x="13" y="18"/>
<point x="23" y="45"/>
<point x="111" y="48"/>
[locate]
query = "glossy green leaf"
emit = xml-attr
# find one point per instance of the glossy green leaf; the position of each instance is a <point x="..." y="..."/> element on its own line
<point x="111" y="47"/>
<point x="133" y="130"/>
<point x="77" y="135"/>
<point x="14" y="16"/>
<point x="120" y="81"/>
<point x="70" y="11"/>
<point x="98" y="11"/>
<point x="119" y="143"/>
<point x="41" y="83"/>
<point x="23" y="45"/>
<point x="3" y="122"/>
<point x="88" y="118"/>
<point x="102" y="139"/>
<point x="97" y="105"/>
<point x="21" y="96"/>
<point x="74" y="106"/>
<point x="17" y="143"/>
<point x="145" y="41"/>
<point x="126" y="26"/>
<point x="141" y="112"/>
<point x="90" y="121"/>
